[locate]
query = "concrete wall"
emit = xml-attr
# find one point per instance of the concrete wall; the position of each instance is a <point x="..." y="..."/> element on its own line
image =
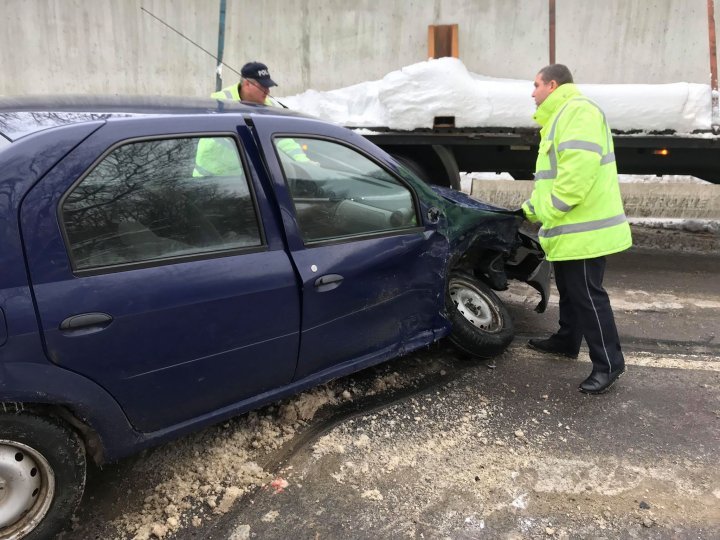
<point x="105" y="46"/>
<point x="668" y="40"/>
<point x="687" y="201"/>
<point x="336" y="43"/>
<point x="113" y="46"/>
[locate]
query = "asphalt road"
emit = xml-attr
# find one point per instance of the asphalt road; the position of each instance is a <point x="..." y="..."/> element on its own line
<point x="433" y="446"/>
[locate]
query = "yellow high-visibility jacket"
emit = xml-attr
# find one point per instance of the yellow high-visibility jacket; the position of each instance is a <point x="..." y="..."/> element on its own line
<point x="576" y="196"/>
<point x="219" y="157"/>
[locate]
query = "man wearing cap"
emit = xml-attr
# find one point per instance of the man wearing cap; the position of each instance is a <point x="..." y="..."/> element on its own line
<point x="253" y="87"/>
<point x="213" y="158"/>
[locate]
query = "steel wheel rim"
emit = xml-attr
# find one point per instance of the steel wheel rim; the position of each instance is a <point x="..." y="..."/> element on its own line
<point x="27" y="488"/>
<point x="474" y="306"/>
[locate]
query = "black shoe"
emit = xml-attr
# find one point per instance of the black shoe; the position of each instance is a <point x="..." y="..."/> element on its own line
<point x="599" y="382"/>
<point x="551" y="346"/>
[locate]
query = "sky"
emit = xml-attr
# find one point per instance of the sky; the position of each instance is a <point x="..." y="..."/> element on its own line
<point x="411" y="97"/>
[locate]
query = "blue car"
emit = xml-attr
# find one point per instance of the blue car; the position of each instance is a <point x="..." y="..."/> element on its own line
<point x="169" y="264"/>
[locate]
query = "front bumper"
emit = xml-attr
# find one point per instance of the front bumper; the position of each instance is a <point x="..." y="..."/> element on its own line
<point x="528" y="264"/>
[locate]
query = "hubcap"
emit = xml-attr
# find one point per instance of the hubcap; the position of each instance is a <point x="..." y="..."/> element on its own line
<point x="475" y="307"/>
<point x="27" y="487"/>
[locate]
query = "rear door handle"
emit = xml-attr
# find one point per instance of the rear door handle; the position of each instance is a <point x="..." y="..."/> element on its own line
<point x="328" y="282"/>
<point x="86" y="321"/>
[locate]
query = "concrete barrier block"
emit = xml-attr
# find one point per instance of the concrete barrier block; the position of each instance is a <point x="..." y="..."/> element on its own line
<point x="701" y="201"/>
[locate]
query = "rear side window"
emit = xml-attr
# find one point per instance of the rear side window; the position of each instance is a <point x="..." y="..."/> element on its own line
<point x="339" y="192"/>
<point x="154" y="199"/>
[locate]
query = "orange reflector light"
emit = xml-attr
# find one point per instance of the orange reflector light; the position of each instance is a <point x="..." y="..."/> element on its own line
<point x="304" y="147"/>
<point x="661" y="152"/>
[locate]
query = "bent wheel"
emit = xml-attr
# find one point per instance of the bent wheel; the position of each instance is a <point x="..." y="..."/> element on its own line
<point x="481" y="324"/>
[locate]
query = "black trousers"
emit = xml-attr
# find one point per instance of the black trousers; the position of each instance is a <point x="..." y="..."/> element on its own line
<point x="585" y="312"/>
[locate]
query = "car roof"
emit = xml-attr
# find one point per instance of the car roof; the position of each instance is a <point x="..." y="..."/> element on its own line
<point x="20" y="116"/>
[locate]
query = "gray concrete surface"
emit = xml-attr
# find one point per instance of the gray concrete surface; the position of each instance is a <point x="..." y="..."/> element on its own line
<point x="676" y="217"/>
<point x="109" y="47"/>
<point x="656" y="32"/>
<point x="507" y="449"/>
<point x="690" y="201"/>
<point x="515" y="452"/>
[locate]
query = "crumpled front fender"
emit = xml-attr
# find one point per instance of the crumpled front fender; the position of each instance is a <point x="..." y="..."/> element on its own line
<point x="528" y="264"/>
<point x="489" y="240"/>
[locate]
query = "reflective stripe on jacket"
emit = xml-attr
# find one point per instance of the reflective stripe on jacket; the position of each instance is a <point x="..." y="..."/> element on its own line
<point x="576" y="196"/>
<point x="215" y="158"/>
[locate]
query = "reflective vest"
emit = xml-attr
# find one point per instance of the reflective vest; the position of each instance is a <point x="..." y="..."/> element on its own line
<point x="219" y="157"/>
<point x="576" y="196"/>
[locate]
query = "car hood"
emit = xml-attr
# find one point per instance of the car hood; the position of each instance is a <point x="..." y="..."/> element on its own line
<point x="469" y="221"/>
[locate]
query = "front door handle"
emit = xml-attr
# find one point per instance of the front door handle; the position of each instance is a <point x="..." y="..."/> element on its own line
<point x="86" y="321"/>
<point x="328" y="282"/>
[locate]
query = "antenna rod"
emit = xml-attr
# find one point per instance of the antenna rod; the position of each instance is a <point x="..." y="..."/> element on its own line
<point x="191" y="41"/>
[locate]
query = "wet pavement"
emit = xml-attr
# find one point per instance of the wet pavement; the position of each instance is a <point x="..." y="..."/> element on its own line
<point x="434" y="446"/>
<point x="512" y="452"/>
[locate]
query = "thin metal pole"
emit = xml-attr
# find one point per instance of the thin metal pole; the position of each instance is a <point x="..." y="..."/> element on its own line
<point x="551" y="12"/>
<point x="221" y="47"/>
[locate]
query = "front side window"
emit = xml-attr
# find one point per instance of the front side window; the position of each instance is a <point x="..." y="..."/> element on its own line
<point x="146" y="201"/>
<point x="340" y="192"/>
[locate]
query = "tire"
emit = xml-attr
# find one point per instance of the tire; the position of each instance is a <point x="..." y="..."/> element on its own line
<point x="481" y="324"/>
<point x="414" y="166"/>
<point x="42" y="476"/>
<point x="434" y="164"/>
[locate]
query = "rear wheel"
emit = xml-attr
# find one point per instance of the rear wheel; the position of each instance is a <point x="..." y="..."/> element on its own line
<point x="434" y="164"/>
<point x="481" y="324"/>
<point x="42" y="476"/>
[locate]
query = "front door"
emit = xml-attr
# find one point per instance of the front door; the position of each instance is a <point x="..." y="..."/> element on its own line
<point x="371" y="271"/>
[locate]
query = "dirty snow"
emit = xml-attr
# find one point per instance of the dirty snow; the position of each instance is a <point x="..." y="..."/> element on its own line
<point x="411" y="97"/>
<point x="270" y="516"/>
<point x="435" y="471"/>
<point x="622" y="299"/>
<point x="466" y="178"/>
<point x="203" y="475"/>
<point x="465" y="447"/>
<point x="663" y="179"/>
<point x="242" y="532"/>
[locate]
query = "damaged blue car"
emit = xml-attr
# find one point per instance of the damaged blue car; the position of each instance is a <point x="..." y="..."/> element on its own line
<point x="148" y="291"/>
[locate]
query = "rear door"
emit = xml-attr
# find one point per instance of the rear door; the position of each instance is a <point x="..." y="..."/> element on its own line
<point x="371" y="270"/>
<point x="169" y="288"/>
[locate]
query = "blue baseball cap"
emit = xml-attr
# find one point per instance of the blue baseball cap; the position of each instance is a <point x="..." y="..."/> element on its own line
<point x="258" y="72"/>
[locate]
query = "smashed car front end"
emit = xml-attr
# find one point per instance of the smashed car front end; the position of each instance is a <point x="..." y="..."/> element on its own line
<point x="487" y="241"/>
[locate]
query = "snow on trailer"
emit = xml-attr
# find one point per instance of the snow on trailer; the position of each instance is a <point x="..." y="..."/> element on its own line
<point x="439" y="118"/>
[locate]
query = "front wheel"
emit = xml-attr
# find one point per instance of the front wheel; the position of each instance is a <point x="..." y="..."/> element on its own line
<point x="481" y="324"/>
<point x="42" y="476"/>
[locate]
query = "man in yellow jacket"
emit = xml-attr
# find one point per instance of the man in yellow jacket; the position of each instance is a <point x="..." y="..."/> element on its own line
<point x="218" y="157"/>
<point x="254" y="86"/>
<point x="576" y="199"/>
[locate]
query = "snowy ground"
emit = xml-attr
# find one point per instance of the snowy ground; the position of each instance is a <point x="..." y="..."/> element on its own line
<point x="197" y="479"/>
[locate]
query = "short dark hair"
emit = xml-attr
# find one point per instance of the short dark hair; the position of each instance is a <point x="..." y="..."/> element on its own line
<point x="556" y="72"/>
